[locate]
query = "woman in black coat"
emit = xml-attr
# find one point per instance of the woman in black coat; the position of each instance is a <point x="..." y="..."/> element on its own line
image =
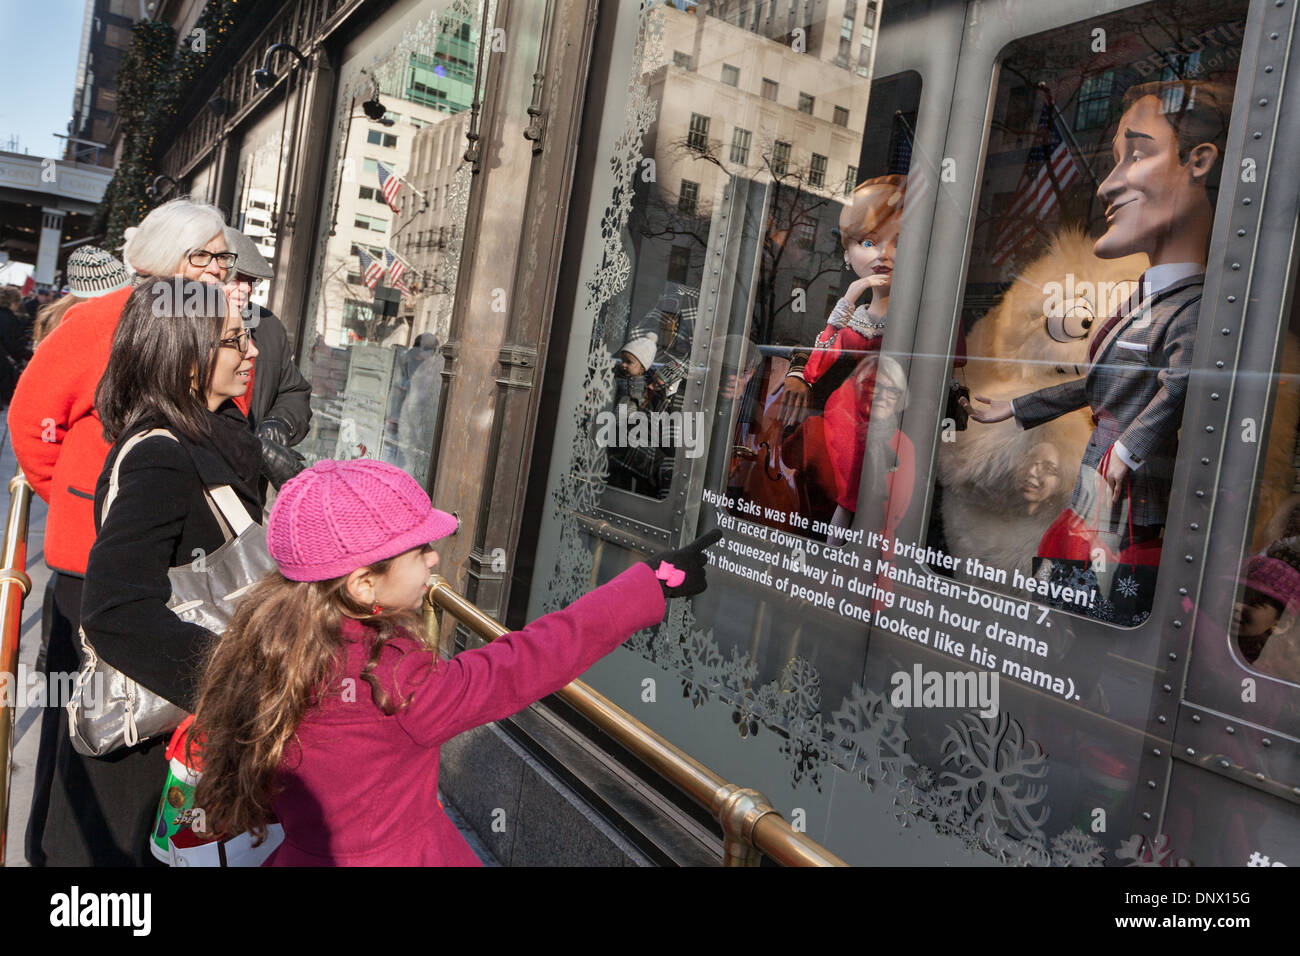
<point x="103" y="811"/>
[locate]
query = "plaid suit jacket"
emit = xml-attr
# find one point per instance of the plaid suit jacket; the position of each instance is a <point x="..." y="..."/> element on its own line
<point x="1135" y="386"/>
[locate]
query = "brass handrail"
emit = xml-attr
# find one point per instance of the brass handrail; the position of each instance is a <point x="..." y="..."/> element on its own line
<point x="751" y="826"/>
<point x="14" y="587"/>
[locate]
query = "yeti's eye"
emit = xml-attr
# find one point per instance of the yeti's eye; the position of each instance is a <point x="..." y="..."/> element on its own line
<point x="1073" y="322"/>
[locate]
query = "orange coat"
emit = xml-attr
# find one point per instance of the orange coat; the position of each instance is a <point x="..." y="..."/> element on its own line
<point x="56" y="432"/>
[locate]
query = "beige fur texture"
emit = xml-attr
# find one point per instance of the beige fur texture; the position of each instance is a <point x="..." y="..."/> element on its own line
<point x="1010" y="353"/>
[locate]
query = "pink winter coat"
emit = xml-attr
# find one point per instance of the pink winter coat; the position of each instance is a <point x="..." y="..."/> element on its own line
<point x="362" y="789"/>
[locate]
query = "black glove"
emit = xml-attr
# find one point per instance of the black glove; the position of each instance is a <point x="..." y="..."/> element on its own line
<point x="276" y="430"/>
<point x="685" y="566"/>
<point x="279" y="462"/>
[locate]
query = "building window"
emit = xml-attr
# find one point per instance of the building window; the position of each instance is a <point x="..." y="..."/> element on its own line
<point x="842" y="58"/>
<point x="688" y="198"/>
<point x="864" y="60"/>
<point x="679" y="264"/>
<point x="841" y="117"/>
<point x="851" y="9"/>
<point x="805" y="234"/>
<point x="846" y="28"/>
<point x="370" y="222"/>
<point x="683" y="60"/>
<point x="367" y="192"/>
<point x="806" y="103"/>
<point x="817" y="171"/>
<point x="850" y="179"/>
<point x="698" y="137"/>
<point x="1094" y="101"/>
<point x="770" y="88"/>
<point x="740" y="146"/>
<point x="730" y="75"/>
<point x="378" y="138"/>
<point x="780" y="158"/>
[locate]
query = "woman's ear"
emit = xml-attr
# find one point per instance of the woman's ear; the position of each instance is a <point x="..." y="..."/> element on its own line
<point x="361" y="586"/>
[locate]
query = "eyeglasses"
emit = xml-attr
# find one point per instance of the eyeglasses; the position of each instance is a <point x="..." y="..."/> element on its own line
<point x="238" y="342"/>
<point x="202" y="258"/>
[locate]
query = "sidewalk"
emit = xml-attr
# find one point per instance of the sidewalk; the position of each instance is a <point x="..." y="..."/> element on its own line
<point x="27" y="719"/>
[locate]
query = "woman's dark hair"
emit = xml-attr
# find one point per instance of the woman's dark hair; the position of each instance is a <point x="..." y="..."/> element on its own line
<point x="166" y="341"/>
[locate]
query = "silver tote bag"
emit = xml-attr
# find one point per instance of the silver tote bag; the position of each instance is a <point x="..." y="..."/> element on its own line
<point x="108" y="710"/>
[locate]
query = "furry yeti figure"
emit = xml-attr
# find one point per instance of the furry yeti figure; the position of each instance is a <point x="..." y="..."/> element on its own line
<point x="998" y="493"/>
<point x="1002" y="486"/>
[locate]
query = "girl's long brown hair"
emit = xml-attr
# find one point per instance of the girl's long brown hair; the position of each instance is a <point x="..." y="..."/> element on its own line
<point x="280" y="656"/>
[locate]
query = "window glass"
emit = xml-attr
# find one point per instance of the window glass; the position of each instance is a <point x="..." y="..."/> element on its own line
<point x="262" y="164"/>
<point x="1064" y="495"/>
<point x="748" y="310"/>
<point x="381" y="305"/>
<point x="1263" y="632"/>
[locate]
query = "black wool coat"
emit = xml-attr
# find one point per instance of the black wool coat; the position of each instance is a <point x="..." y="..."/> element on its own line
<point x="158" y="520"/>
<point x="279" y="390"/>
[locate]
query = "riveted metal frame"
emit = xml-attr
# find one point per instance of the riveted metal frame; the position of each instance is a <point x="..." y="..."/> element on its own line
<point x="1248" y="733"/>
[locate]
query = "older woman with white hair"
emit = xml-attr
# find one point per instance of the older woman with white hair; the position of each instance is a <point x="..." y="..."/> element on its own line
<point x="59" y="442"/>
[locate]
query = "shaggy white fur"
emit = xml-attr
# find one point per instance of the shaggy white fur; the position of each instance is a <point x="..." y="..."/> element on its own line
<point x="1010" y="353"/>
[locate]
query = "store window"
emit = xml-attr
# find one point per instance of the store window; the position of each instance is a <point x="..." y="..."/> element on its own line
<point x="770" y="312"/>
<point x="382" y="292"/>
<point x="1065" y="494"/>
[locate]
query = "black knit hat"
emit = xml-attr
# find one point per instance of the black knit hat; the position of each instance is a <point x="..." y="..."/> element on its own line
<point x="92" y="272"/>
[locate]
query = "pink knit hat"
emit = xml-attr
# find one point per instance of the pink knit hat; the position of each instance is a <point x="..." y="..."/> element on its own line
<point x="337" y="516"/>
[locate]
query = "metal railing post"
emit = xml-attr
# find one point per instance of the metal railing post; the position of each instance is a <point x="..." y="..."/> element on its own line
<point x="15" y="585"/>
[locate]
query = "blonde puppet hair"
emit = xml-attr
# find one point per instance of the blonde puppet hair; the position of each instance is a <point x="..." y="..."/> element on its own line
<point x="875" y="202"/>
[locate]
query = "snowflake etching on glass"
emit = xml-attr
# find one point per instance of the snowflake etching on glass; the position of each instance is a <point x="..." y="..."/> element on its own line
<point x="993" y="773"/>
<point x="869" y="737"/>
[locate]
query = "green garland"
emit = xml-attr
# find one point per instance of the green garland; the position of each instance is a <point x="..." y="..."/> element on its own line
<point x="151" y="82"/>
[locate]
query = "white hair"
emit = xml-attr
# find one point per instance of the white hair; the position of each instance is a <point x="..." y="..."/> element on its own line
<point x="168" y="234"/>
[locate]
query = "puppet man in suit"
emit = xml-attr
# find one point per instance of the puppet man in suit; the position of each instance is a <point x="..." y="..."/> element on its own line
<point x="1159" y="199"/>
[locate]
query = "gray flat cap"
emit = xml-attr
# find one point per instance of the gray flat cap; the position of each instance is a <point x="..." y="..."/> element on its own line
<point x="251" y="262"/>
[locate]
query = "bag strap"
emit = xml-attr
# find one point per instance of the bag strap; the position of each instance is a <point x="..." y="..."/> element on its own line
<point x="117" y="464"/>
<point x="231" y="515"/>
<point x="226" y="505"/>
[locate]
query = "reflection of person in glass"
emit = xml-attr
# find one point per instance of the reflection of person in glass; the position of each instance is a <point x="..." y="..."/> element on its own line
<point x="650" y="369"/>
<point x="1167" y="150"/>
<point x="1038" y="479"/>
<point x="1264" y="620"/>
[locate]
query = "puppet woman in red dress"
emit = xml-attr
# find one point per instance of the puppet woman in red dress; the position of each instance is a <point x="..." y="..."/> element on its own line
<point x="839" y="376"/>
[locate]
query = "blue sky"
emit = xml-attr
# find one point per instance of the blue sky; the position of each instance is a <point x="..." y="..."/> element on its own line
<point x="39" y="46"/>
